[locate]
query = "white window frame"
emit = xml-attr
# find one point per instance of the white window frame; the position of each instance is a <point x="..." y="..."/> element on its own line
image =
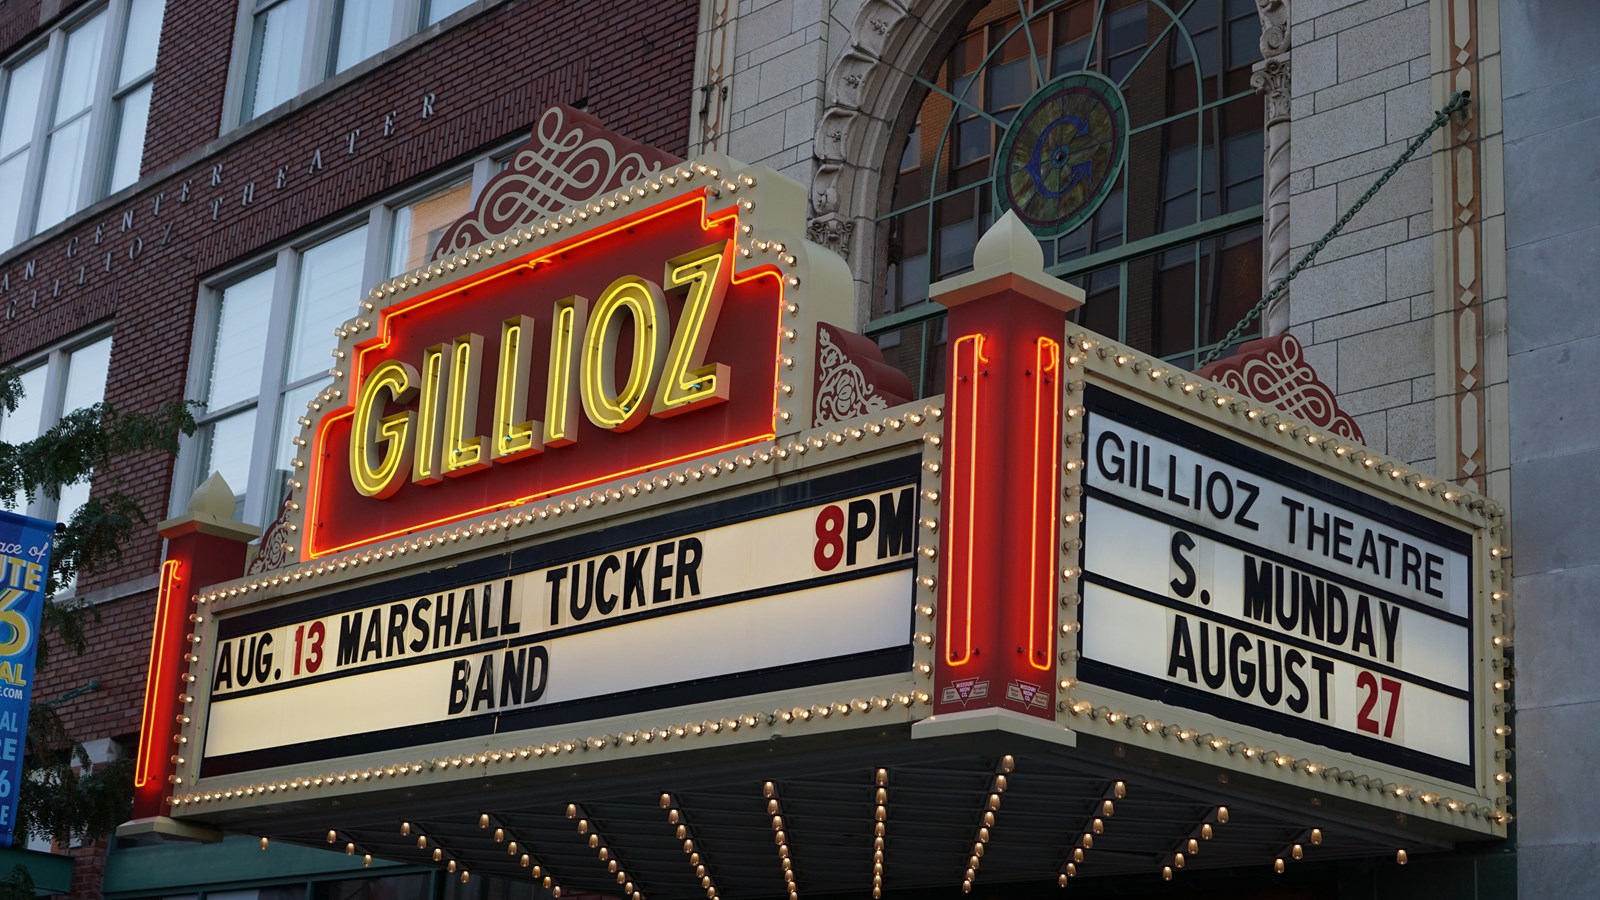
<point x="318" y="61"/>
<point x="268" y="401"/>
<point x="55" y="361"/>
<point x="96" y="174"/>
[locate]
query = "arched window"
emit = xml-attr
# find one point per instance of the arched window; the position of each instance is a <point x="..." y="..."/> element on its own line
<point x="1154" y="204"/>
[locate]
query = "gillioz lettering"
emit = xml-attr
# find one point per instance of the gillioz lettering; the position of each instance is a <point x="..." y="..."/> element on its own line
<point x="1222" y="496"/>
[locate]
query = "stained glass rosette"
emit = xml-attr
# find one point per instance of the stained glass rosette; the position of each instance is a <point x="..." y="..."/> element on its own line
<point x="1060" y="158"/>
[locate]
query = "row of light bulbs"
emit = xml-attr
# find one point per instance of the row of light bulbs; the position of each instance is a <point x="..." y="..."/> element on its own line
<point x="691" y="847"/>
<point x="621" y="199"/>
<point x="514" y="848"/>
<point x="1290" y="431"/>
<point x="1095" y="826"/>
<point x="991" y="807"/>
<point x="1155" y="727"/>
<point x="904" y="700"/>
<point x="880" y="827"/>
<point x="606" y="854"/>
<point x="818" y="441"/>
<point x="780" y="837"/>
<point x="1092" y="830"/>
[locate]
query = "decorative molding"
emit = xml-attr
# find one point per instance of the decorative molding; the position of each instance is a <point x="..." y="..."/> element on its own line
<point x="570" y="159"/>
<point x="1272" y="79"/>
<point x="1274" y="371"/>
<point x="275" y="549"/>
<point x="1460" y="291"/>
<point x="832" y="232"/>
<point x="713" y="89"/>
<point x="1274" y="27"/>
<point x="864" y="100"/>
<point x="852" y="378"/>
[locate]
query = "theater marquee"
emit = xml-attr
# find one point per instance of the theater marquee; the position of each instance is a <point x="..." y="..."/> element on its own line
<point x="589" y="531"/>
<point x="1268" y="597"/>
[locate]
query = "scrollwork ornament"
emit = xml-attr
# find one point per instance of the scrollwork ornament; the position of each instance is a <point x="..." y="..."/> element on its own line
<point x="275" y="551"/>
<point x="1274" y="27"/>
<point x="843" y="391"/>
<point x="569" y="160"/>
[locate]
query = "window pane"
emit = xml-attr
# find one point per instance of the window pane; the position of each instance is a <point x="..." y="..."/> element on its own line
<point x="972" y="140"/>
<point x="329" y="293"/>
<point x="59" y="194"/>
<point x="73" y="497"/>
<point x="363" y="29"/>
<point x="1009" y="84"/>
<point x="229" y="445"/>
<point x="280" y="36"/>
<point x="86" y="375"/>
<point x="144" y="34"/>
<point x="240" y="344"/>
<point x="21" y="105"/>
<point x="23" y="424"/>
<point x="133" y="116"/>
<point x="417" y="226"/>
<point x="438" y="9"/>
<point x="1244" y="37"/>
<point x="292" y="408"/>
<point x="11" y="174"/>
<point x="80" y="68"/>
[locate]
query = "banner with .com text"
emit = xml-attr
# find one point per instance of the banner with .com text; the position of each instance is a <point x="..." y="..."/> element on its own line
<point x="24" y="569"/>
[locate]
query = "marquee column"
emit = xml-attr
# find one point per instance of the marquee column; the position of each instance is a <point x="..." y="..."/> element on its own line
<point x="205" y="545"/>
<point x="1001" y="479"/>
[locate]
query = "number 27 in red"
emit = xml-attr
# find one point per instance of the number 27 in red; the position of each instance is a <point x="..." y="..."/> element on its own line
<point x="1364" y="719"/>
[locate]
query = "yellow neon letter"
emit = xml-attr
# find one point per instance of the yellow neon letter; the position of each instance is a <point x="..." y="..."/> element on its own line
<point x="605" y="405"/>
<point x="514" y="439"/>
<point x="685" y="384"/>
<point x="463" y="451"/>
<point x="372" y="474"/>
<point x="425" y="461"/>
<point x="560" y="415"/>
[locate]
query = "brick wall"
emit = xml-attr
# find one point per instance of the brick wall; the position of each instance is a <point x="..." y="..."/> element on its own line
<point x="140" y="262"/>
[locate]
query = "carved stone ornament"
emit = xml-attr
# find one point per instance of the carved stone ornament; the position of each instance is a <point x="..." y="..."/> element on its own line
<point x="274" y="551"/>
<point x="1274" y="371"/>
<point x="852" y="378"/>
<point x="832" y="232"/>
<point x="1274" y="27"/>
<point x="1271" y="80"/>
<point x="570" y="159"/>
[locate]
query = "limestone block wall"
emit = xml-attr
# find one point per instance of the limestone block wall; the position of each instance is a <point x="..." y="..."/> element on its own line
<point x="1359" y="93"/>
<point x="780" y="59"/>
<point x="1552" y="120"/>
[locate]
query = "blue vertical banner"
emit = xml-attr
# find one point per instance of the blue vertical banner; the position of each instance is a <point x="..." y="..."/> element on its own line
<point x="24" y="567"/>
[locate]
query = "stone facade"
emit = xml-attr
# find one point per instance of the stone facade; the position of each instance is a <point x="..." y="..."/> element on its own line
<point x="1448" y="315"/>
<point x="1551" y="82"/>
<point x="1452" y="315"/>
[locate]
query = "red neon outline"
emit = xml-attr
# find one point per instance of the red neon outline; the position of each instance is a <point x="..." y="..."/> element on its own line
<point x="155" y="676"/>
<point x="963" y="416"/>
<point x="708" y="221"/>
<point x="1046" y="455"/>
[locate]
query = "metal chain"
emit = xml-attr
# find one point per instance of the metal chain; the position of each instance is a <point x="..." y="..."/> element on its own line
<point x="1458" y="101"/>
